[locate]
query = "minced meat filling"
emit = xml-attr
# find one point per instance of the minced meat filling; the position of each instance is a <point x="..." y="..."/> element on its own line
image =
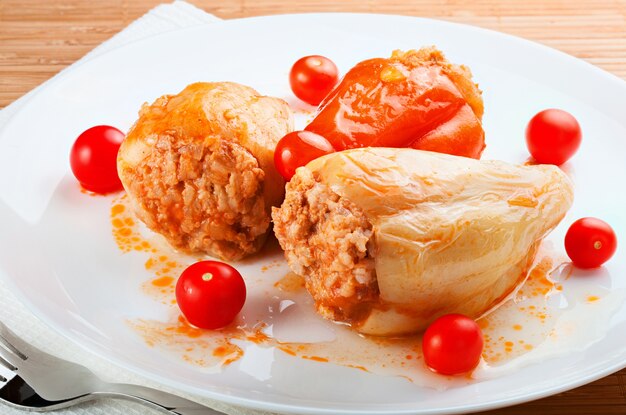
<point x="325" y="238"/>
<point x="204" y="197"/>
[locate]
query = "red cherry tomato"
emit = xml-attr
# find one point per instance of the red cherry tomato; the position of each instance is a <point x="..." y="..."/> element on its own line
<point x="553" y="136"/>
<point x="590" y="242"/>
<point x="93" y="159"/>
<point x="452" y="344"/>
<point x="210" y="294"/>
<point x="296" y="149"/>
<point x="312" y="78"/>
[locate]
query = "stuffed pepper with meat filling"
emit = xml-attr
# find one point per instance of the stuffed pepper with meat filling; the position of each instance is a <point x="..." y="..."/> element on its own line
<point x="198" y="167"/>
<point x="415" y="99"/>
<point x="390" y="239"/>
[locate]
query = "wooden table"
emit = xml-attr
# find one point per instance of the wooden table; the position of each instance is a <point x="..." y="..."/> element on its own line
<point x="39" y="38"/>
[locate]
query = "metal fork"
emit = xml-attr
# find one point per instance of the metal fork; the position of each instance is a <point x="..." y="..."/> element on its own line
<point x="33" y="380"/>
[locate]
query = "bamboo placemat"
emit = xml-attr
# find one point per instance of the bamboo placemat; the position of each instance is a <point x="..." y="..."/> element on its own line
<point x="39" y="38"/>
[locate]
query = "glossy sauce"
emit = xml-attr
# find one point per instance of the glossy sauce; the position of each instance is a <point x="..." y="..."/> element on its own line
<point x="128" y="237"/>
<point x="548" y="316"/>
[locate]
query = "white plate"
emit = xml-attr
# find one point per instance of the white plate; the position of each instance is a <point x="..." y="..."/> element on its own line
<point x="57" y="251"/>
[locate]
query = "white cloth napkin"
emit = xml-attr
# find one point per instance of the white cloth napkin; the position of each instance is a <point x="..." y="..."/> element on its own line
<point x="161" y="19"/>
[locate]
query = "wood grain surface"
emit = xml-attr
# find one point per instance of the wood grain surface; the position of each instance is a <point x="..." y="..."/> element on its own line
<point x="38" y="38"/>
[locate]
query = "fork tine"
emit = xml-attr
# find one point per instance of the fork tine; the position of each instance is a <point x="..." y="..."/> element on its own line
<point x="8" y="359"/>
<point x="7" y="338"/>
<point x="6" y="364"/>
<point x="7" y="372"/>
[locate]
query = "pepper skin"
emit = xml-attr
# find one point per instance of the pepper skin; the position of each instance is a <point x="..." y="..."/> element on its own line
<point x="414" y="99"/>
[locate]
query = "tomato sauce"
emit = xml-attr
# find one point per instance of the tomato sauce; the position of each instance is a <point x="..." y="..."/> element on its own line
<point x="281" y="312"/>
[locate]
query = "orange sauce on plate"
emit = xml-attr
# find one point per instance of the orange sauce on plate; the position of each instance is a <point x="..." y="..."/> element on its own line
<point x="518" y="326"/>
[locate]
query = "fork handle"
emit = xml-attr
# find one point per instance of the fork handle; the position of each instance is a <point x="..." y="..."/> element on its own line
<point x="156" y="399"/>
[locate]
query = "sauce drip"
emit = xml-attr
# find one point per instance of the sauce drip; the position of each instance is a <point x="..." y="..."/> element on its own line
<point x="548" y="315"/>
<point x="129" y="238"/>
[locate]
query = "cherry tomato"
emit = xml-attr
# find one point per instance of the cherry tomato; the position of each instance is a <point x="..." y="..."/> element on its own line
<point x="452" y="344"/>
<point x="590" y="242"/>
<point x="210" y="294"/>
<point x="93" y="159"/>
<point x="553" y="136"/>
<point x="296" y="149"/>
<point x="312" y="78"/>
